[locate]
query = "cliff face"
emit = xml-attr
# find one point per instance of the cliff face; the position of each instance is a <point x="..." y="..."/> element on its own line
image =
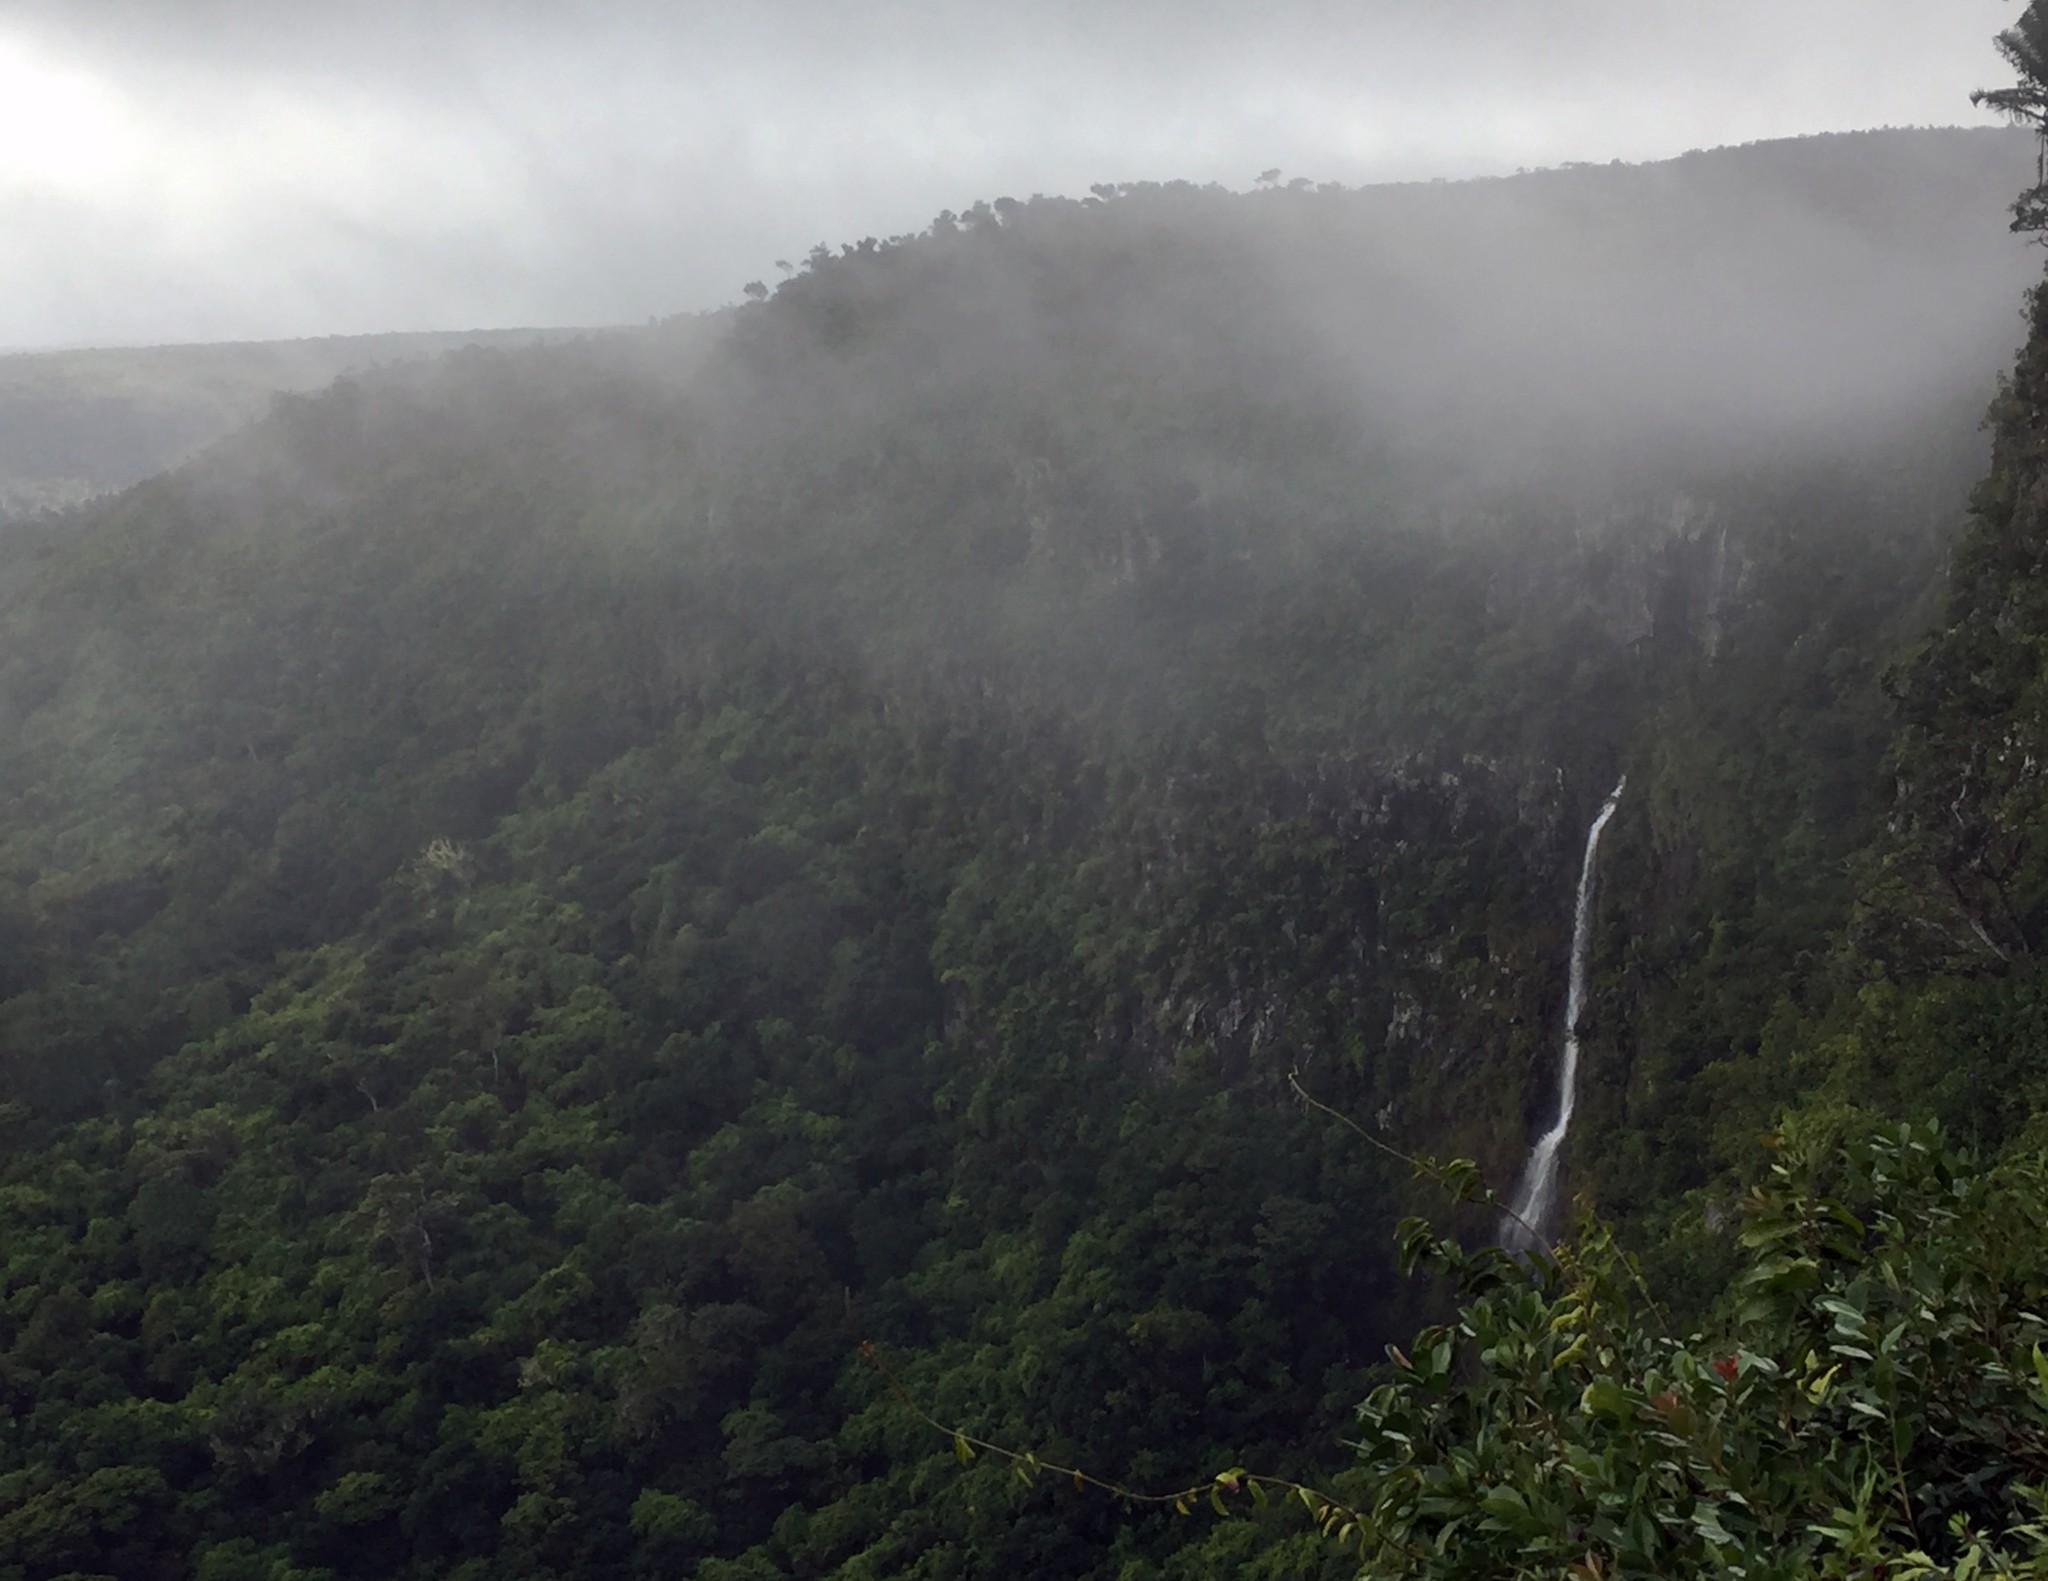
<point x="1962" y="883"/>
<point x="1857" y="926"/>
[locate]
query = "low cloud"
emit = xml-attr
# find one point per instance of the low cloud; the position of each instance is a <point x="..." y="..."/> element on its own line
<point x="230" y="170"/>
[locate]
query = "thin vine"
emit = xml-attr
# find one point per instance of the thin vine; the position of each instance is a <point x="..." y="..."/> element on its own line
<point x="1337" y="1520"/>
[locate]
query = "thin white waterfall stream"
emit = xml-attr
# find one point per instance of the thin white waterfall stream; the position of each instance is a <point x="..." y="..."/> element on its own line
<point x="1535" y="1199"/>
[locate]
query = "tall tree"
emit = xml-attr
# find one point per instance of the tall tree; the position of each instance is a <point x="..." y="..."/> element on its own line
<point x="2025" y="48"/>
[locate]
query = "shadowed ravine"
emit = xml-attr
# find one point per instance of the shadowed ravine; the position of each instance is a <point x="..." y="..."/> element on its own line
<point x="1534" y="1206"/>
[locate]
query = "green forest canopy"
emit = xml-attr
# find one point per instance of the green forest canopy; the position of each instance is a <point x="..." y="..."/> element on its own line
<point x="551" y="893"/>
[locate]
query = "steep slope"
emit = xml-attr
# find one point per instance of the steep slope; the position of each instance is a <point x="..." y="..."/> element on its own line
<point x="1925" y="999"/>
<point x="549" y="892"/>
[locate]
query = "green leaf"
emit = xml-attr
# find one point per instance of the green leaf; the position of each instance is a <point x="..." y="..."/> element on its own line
<point x="1605" y="1397"/>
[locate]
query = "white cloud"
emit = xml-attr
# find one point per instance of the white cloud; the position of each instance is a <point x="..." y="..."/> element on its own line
<point x="228" y="168"/>
<point x="60" y="128"/>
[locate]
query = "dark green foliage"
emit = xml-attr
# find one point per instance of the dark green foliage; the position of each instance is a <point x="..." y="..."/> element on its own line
<point x="1875" y="1404"/>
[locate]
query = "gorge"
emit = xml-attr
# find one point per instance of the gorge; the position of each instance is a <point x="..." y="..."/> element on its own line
<point x="549" y="895"/>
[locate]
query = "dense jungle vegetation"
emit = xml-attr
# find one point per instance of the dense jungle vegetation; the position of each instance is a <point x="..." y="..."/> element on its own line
<point x="547" y="896"/>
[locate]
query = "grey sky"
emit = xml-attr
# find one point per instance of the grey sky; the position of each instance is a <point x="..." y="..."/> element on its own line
<point x="214" y="169"/>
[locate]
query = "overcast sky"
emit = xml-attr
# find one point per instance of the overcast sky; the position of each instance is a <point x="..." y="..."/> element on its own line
<point x="235" y="169"/>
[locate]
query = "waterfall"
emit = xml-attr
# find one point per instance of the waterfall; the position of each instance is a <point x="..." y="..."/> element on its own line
<point x="1535" y="1199"/>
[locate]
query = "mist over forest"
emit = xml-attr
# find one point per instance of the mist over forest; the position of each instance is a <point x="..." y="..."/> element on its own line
<point x="835" y="938"/>
<point x="75" y="425"/>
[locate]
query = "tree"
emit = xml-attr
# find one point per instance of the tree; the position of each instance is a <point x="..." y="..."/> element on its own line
<point x="2025" y="48"/>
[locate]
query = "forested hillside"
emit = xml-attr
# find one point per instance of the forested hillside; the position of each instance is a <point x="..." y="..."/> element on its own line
<point x="78" y="424"/>
<point x="547" y="895"/>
